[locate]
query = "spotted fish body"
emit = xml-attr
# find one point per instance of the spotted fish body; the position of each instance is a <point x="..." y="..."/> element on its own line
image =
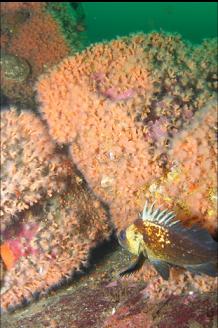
<point x="162" y="239"/>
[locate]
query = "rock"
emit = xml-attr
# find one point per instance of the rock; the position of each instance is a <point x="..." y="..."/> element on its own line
<point x="14" y="68"/>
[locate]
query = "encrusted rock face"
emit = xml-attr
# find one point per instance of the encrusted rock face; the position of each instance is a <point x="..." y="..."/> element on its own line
<point x="33" y="40"/>
<point x="30" y="165"/>
<point x="50" y="220"/>
<point x="98" y="300"/>
<point x="137" y="312"/>
<point x="190" y="185"/>
<point x="120" y="105"/>
<point x="132" y="111"/>
<point x="52" y="242"/>
<point x="140" y="118"/>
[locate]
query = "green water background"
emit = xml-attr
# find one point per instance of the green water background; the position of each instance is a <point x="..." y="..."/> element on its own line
<point x="194" y="20"/>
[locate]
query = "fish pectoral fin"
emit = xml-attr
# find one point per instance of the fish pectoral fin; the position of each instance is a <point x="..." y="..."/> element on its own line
<point x="163" y="268"/>
<point x="209" y="268"/>
<point x="135" y="266"/>
<point x="142" y="250"/>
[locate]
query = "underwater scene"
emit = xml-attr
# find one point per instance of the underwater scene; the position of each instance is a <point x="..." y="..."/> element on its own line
<point x="108" y="213"/>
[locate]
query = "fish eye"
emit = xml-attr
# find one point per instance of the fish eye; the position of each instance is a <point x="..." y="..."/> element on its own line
<point x="122" y="235"/>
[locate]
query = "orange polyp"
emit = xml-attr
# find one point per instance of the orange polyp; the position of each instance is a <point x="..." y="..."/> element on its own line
<point x="193" y="187"/>
<point x="7" y="255"/>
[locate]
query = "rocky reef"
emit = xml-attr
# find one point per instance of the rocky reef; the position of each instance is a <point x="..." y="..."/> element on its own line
<point x="32" y="40"/>
<point x="98" y="300"/>
<point x="133" y="97"/>
<point x="119" y="123"/>
<point x="50" y="220"/>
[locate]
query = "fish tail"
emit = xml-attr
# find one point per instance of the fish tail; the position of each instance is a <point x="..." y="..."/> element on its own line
<point x="209" y="268"/>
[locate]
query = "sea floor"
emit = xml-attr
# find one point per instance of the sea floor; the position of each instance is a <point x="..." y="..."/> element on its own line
<point x="99" y="299"/>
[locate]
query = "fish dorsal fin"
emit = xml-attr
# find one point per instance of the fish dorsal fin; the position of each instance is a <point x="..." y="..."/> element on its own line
<point x="164" y="217"/>
<point x="167" y="219"/>
<point x="202" y="235"/>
